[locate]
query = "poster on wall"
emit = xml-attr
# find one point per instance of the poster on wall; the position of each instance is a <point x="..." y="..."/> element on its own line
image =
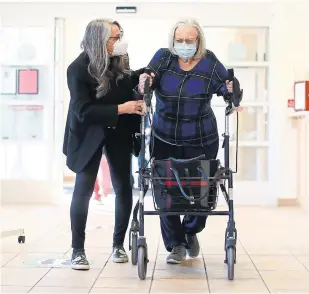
<point x="28" y="81"/>
<point x="8" y="82"/>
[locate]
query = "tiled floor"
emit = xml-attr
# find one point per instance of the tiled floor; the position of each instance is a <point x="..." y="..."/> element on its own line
<point x="272" y="255"/>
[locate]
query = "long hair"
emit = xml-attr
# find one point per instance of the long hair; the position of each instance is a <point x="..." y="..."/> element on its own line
<point x="101" y="66"/>
<point x="201" y="43"/>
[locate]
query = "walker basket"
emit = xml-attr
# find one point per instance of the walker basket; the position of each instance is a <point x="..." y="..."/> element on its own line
<point x="189" y="184"/>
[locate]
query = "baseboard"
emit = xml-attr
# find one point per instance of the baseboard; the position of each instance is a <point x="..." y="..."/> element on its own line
<point x="288" y="202"/>
<point x="68" y="179"/>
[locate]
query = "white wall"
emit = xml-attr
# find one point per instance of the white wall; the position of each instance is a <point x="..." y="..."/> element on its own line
<point x="302" y="157"/>
<point x="289" y="47"/>
<point x="217" y="14"/>
<point x="290" y="62"/>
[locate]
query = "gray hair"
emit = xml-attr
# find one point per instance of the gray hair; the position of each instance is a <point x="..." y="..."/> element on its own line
<point x="201" y="43"/>
<point x="94" y="43"/>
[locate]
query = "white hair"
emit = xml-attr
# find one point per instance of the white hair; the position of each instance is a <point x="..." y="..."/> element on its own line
<point x="201" y="43"/>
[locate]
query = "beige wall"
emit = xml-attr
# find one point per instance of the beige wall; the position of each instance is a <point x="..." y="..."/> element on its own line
<point x="289" y="59"/>
<point x="302" y="125"/>
<point x="291" y="62"/>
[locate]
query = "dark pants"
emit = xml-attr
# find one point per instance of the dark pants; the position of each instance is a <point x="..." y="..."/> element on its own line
<point x="118" y="151"/>
<point x="172" y="229"/>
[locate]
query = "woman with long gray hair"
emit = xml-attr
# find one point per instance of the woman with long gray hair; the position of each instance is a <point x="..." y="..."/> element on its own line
<point x="102" y="117"/>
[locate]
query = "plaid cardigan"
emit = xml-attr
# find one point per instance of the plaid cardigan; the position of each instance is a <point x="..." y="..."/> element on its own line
<point x="183" y="114"/>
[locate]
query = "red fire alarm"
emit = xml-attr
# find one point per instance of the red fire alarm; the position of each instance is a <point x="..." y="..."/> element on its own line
<point x="301" y="96"/>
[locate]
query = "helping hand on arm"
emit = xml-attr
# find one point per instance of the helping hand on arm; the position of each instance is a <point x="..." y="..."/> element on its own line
<point x="142" y="79"/>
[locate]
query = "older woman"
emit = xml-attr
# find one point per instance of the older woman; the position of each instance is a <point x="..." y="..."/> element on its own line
<point x="102" y="114"/>
<point x="186" y="75"/>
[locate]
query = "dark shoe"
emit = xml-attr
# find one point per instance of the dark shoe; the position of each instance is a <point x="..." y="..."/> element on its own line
<point x="193" y="246"/>
<point x="119" y="255"/>
<point x="177" y="256"/>
<point x="79" y="260"/>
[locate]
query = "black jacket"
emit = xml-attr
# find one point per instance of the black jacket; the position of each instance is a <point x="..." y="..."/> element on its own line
<point x="88" y="117"/>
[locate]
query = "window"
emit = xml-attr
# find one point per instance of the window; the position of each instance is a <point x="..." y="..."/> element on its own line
<point x="27" y="97"/>
<point x="252" y="163"/>
<point x="238" y="44"/>
<point x="245" y="50"/>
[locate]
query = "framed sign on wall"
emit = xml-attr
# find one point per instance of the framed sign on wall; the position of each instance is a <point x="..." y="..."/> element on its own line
<point x="301" y="96"/>
<point x="28" y="81"/>
<point x="8" y="80"/>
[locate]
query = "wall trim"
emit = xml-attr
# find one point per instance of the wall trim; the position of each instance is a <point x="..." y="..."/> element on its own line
<point x="288" y="202"/>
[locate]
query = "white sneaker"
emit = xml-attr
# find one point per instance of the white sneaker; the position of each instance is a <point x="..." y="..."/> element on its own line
<point x="119" y="255"/>
<point x="79" y="261"/>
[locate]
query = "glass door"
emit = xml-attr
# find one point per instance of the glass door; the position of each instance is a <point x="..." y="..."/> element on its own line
<point x="27" y="112"/>
<point x="246" y="50"/>
<point x="60" y="112"/>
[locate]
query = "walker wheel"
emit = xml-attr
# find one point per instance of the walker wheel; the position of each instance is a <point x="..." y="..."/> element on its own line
<point x="21" y="239"/>
<point x="230" y="258"/>
<point x="142" y="263"/>
<point x="134" y="249"/>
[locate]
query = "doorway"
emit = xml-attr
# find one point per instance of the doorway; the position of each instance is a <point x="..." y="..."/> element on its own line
<point x="243" y="48"/>
<point x="29" y="172"/>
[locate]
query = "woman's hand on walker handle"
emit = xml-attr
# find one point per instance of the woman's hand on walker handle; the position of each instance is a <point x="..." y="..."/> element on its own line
<point x="142" y="79"/>
<point x="229" y="86"/>
<point x="131" y="107"/>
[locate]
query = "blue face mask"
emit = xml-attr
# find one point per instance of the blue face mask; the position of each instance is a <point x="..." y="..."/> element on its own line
<point x="184" y="50"/>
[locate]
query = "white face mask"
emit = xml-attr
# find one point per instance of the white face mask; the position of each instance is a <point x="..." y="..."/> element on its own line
<point x="120" y="48"/>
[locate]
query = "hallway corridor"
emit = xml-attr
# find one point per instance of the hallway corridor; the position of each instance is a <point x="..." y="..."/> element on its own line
<point x="272" y="256"/>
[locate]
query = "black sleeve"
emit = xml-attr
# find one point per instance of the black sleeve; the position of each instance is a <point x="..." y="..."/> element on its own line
<point x="82" y="106"/>
<point x="139" y="71"/>
<point x="135" y="77"/>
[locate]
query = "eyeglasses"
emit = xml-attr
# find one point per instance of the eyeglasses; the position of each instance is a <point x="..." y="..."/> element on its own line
<point x="118" y="38"/>
<point x="115" y="38"/>
<point x="187" y="41"/>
